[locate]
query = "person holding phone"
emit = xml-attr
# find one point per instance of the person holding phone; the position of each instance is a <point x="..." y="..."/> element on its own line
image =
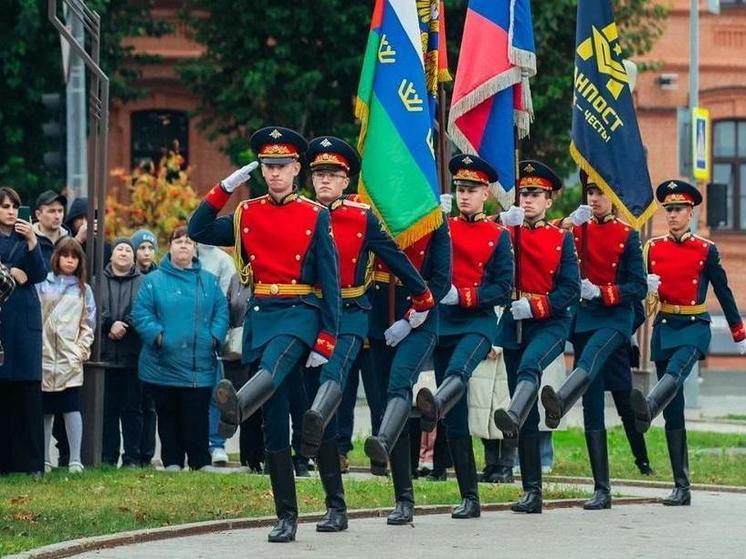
<point x="20" y="333"/>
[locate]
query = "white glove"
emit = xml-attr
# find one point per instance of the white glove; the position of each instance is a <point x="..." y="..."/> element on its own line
<point x="514" y="216"/>
<point x="446" y="203"/>
<point x="237" y="178"/>
<point x="654" y="282"/>
<point x="451" y="298"/>
<point x="741" y="347"/>
<point x="589" y="290"/>
<point x="417" y="318"/>
<point x="315" y="360"/>
<point x="397" y="332"/>
<point x="582" y="215"/>
<point x="521" y="309"/>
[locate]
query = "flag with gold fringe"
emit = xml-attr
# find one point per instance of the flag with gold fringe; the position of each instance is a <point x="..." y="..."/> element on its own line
<point x="606" y="140"/>
<point x="398" y="175"/>
<point x="491" y="94"/>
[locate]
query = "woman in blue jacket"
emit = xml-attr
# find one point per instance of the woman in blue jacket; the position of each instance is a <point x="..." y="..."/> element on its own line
<point x="20" y="334"/>
<point x="182" y="317"/>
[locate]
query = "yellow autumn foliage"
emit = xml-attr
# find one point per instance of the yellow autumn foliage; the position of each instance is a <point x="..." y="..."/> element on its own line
<point x="159" y="200"/>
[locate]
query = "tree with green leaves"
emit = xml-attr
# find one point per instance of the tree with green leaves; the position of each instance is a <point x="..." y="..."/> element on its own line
<point x="298" y="64"/>
<point x="31" y="65"/>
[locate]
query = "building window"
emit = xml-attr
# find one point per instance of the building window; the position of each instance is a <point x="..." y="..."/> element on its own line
<point x="155" y="133"/>
<point x="729" y="3"/>
<point x="729" y="168"/>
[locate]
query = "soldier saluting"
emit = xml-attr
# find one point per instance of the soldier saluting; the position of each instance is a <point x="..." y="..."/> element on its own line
<point x="284" y="248"/>
<point x="680" y="268"/>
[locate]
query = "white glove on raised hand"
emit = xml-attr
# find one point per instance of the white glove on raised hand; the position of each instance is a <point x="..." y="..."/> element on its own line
<point x="315" y="360"/>
<point x="237" y="178"/>
<point x="654" y="282"/>
<point x="397" y="332"/>
<point x="446" y="203"/>
<point x="451" y="298"/>
<point x="581" y="215"/>
<point x="416" y="318"/>
<point x="521" y="309"/>
<point x="589" y="290"/>
<point x="513" y="217"/>
<point x="741" y="347"/>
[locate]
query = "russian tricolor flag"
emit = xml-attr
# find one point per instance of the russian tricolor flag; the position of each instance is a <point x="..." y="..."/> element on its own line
<point x="491" y="92"/>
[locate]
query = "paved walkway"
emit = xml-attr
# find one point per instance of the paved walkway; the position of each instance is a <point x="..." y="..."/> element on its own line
<point x="712" y="528"/>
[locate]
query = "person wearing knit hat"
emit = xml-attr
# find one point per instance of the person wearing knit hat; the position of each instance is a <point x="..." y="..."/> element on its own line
<point x="120" y="349"/>
<point x="145" y="244"/>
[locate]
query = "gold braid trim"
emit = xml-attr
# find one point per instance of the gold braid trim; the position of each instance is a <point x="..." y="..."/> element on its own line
<point x="652" y="301"/>
<point x="245" y="274"/>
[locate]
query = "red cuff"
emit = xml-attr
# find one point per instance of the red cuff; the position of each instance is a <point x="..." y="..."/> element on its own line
<point x="468" y="298"/>
<point x="610" y="295"/>
<point x="423" y="302"/>
<point x="540" y="306"/>
<point x="738" y="331"/>
<point x="217" y="197"/>
<point x="325" y="343"/>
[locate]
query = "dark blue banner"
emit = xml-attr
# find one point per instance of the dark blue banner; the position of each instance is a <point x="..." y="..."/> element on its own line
<point x="606" y="141"/>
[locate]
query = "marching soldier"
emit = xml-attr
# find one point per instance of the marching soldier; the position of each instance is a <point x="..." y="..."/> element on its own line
<point x="283" y="247"/>
<point x="357" y="232"/>
<point x="680" y="268"/>
<point x="399" y="352"/>
<point x="610" y="258"/>
<point x="548" y="285"/>
<point x="482" y="279"/>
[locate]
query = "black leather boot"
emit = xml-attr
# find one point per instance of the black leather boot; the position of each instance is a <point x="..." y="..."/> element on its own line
<point x="491" y="455"/>
<point x="378" y="447"/>
<point x="335" y="519"/>
<point x="647" y="409"/>
<point x="462" y="454"/>
<point x="280" y="466"/>
<point x="530" y="458"/>
<point x="434" y="407"/>
<point x="637" y="446"/>
<point x="599" y="457"/>
<point x="510" y="421"/>
<point x="235" y="407"/>
<point x="558" y="403"/>
<point x="679" y="454"/>
<point x="301" y="466"/>
<point x="315" y="420"/>
<point x="401" y="475"/>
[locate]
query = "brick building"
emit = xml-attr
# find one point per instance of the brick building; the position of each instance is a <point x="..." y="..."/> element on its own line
<point x="722" y="90"/>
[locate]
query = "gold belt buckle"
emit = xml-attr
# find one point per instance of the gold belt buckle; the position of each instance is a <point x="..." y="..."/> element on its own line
<point x="274" y="289"/>
<point x="677" y="309"/>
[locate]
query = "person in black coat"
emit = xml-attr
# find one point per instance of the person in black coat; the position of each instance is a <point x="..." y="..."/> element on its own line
<point x="22" y="435"/>
<point x="120" y="350"/>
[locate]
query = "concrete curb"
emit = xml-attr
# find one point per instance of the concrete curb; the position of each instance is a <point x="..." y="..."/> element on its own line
<point x="84" y="545"/>
<point x="579" y="480"/>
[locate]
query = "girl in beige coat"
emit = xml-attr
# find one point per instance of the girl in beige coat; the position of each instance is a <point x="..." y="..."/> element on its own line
<point x="68" y="315"/>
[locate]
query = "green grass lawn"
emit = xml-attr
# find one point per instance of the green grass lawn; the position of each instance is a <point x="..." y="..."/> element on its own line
<point x="61" y="507"/>
<point x="571" y="456"/>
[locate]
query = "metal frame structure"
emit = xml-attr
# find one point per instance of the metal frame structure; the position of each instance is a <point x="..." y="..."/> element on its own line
<point x="98" y="110"/>
<point x="99" y="130"/>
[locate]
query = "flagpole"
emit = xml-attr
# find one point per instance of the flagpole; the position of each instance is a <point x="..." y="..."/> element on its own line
<point x="517" y="239"/>
<point x="445" y="186"/>
<point x="584" y="241"/>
